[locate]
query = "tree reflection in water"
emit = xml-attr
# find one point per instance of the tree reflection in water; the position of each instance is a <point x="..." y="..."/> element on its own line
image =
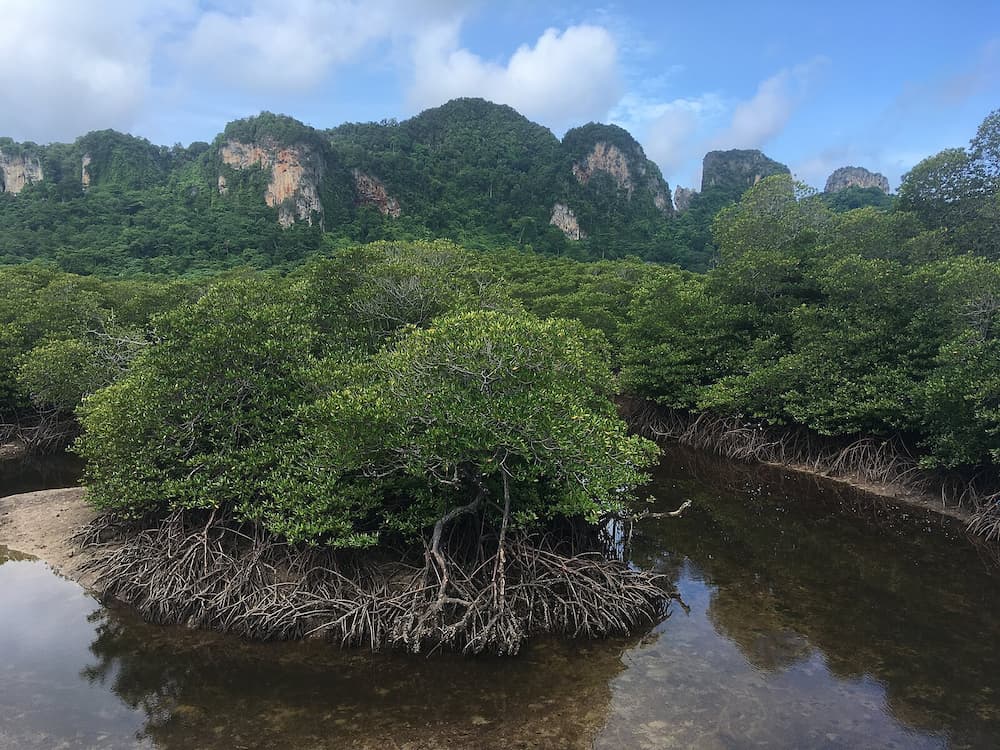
<point x="207" y="690"/>
<point x="879" y="606"/>
<point x="807" y="628"/>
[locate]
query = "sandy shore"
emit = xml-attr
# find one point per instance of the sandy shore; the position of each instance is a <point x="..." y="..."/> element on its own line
<point x="41" y="523"/>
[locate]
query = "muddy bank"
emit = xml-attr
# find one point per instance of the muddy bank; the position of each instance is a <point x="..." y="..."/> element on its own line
<point x="878" y="467"/>
<point x="897" y="493"/>
<point x="41" y="524"/>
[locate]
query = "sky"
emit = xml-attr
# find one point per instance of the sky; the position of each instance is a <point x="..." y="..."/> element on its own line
<point x="880" y="84"/>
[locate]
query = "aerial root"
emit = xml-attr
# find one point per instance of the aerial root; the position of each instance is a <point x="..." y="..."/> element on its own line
<point x="221" y="575"/>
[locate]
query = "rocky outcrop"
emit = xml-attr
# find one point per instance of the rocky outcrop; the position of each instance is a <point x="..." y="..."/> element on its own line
<point x="608" y="158"/>
<point x="564" y="219"/>
<point x="18" y="170"/>
<point x="369" y="191"/>
<point x="737" y="170"/>
<point x="296" y="174"/>
<point x="85" y="171"/>
<point x="682" y="198"/>
<point x="223" y="185"/>
<point x="661" y="199"/>
<point x="605" y="158"/>
<point x="846" y="177"/>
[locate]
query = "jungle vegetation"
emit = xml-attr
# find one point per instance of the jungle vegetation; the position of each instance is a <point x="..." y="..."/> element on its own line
<point x="449" y="410"/>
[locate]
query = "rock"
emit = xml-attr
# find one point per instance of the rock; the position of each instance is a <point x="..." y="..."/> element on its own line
<point x="846" y="177"/>
<point x="661" y="199"/>
<point x="682" y="198"/>
<point x="627" y="174"/>
<point x="605" y="158"/>
<point x="18" y="170"/>
<point x="223" y="185"/>
<point x="737" y="170"/>
<point x="564" y="218"/>
<point x="295" y="176"/>
<point x="84" y="171"/>
<point x="371" y="192"/>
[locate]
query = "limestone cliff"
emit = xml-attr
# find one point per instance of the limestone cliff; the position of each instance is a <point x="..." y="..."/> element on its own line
<point x="682" y="198"/>
<point x="85" y="170"/>
<point x="369" y="191"/>
<point x="628" y="174"/>
<point x="296" y="174"/>
<point x="605" y="158"/>
<point x="737" y="170"/>
<point x="846" y="177"/>
<point x="18" y="170"/>
<point x="564" y="219"/>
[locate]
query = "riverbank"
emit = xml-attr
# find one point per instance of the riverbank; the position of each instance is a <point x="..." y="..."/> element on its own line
<point x="897" y="493"/>
<point x="878" y="467"/>
<point x="42" y="523"/>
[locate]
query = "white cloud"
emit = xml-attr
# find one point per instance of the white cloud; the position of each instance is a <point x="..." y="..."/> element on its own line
<point x="765" y="115"/>
<point x="280" y="45"/>
<point x="565" y="79"/>
<point x="670" y="131"/>
<point x="68" y="67"/>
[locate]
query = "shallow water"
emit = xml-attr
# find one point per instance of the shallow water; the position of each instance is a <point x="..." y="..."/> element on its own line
<point x="816" y="617"/>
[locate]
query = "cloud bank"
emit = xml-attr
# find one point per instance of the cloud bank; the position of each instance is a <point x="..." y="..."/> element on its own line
<point x="69" y="67"/>
<point x="564" y="79"/>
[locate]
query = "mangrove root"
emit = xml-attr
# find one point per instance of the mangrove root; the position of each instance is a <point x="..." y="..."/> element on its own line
<point x="485" y="595"/>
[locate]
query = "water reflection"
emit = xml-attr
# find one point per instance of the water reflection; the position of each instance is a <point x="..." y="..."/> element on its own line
<point x="814" y="630"/>
<point x="39" y="473"/>
<point x="203" y="690"/>
<point x="76" y="675"/>
<point x="806" y="629"/>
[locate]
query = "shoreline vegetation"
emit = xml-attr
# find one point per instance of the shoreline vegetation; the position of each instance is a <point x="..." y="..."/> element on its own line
<point x="876" y="466"/>
<point x="414" y="444"/>
<point x="260" y="587"/>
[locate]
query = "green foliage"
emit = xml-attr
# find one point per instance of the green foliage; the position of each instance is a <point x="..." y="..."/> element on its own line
<point x="453" y="412"/>
<point x="733" y="172"/>
<point x="875" y="319"/>
<point x="851" y="323"/>
<point x="62" y="336"/>
<point x="203" y="414"/>
<point x="267" y="126"/>
<point x="365" y="396"/>
<point x="61" y="373"/>
<point x="123" y="161"/>
<point x="959" y="190"/>
<point x="855" y="197"/>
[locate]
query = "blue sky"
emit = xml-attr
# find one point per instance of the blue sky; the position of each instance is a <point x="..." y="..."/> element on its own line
<point x="875" y="84"/>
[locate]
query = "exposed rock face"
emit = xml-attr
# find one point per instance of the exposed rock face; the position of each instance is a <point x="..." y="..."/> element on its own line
<point x="564" y="218"/>
<point x="661" y="199"/>
<point x="846" y="177"/>
<point x="738" y="169"/>
<point x="84" y="171"/>
<point x="295" y="177"/>
<point x="18" y="170"/>
<point x="223" y="185"/>
<point x="682" y="198"/>
<point x="606" y="157"/>
<point x="371" y="192"/>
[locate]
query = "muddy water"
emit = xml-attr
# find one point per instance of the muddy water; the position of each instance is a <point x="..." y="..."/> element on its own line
<point x="815" y="617"/>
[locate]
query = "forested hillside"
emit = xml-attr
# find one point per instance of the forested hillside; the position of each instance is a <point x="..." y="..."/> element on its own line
<point x="270" y="191"/>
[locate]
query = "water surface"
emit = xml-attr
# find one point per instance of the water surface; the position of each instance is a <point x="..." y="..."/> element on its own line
<point x="815" y="617"/>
